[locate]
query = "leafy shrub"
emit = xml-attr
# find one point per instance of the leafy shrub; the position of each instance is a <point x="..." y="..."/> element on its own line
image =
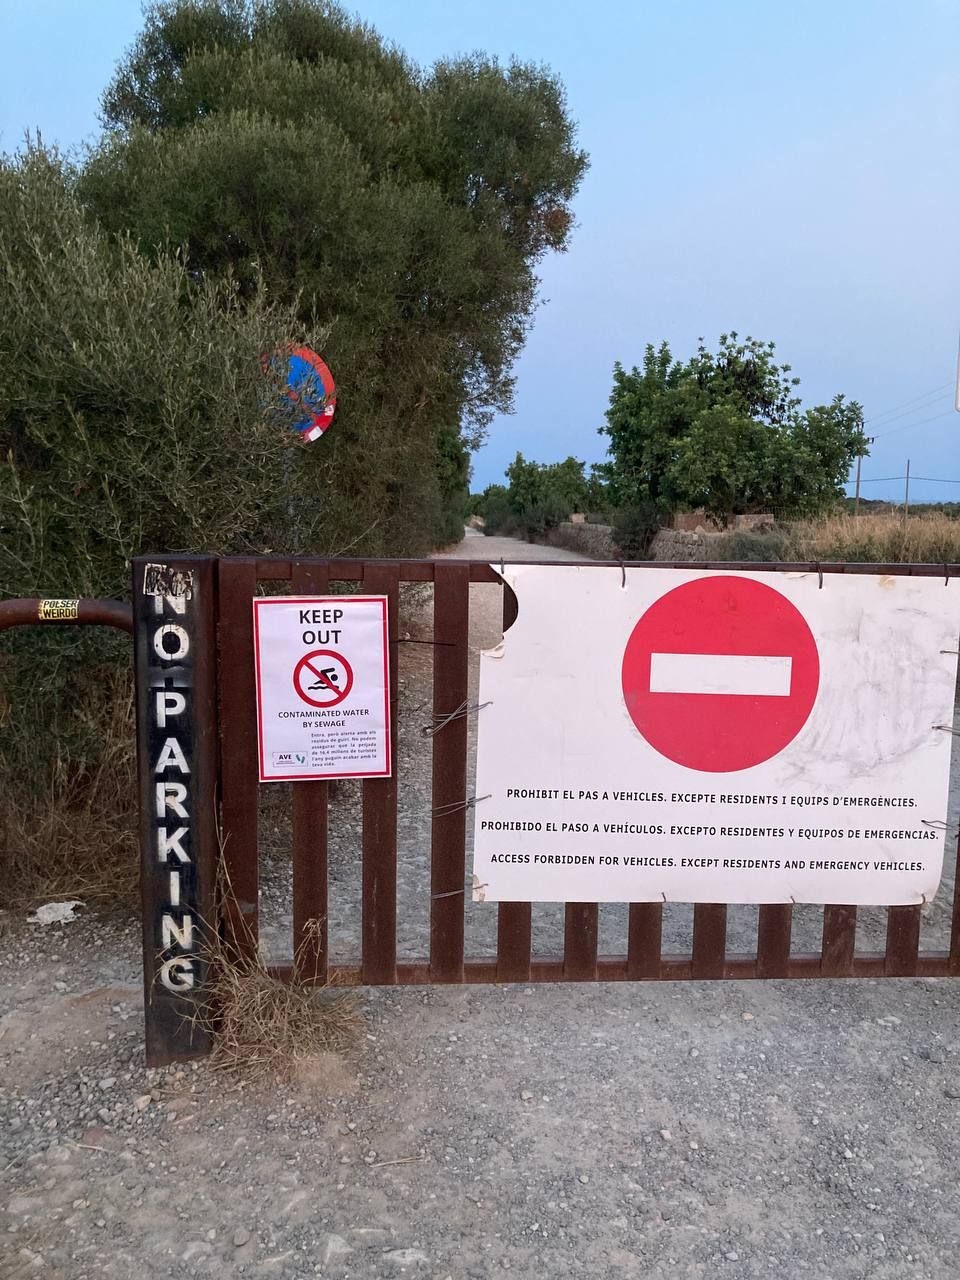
<point x="634" y="529"/>
<point x="768" y="546"/>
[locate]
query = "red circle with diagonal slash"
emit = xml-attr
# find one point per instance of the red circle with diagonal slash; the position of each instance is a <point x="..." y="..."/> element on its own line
<point x="313" y="668"/>
<point x="674" y="700"/>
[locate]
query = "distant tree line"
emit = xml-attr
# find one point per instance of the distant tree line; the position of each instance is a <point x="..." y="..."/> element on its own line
<point x="723" y="431"/>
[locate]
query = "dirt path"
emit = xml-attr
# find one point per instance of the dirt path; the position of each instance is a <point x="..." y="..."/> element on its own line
<point x="657" y="1131"/>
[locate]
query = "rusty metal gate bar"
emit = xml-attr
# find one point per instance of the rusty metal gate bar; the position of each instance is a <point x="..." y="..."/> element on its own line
<point x="513" y="962"/>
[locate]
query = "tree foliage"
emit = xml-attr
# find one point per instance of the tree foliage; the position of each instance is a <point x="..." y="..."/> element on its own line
<point x="284" y="145"/>
<point x="132" y="405"/>
<point x="725" y="431"/>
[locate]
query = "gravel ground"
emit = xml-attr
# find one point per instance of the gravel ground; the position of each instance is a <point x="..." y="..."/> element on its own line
<point x="663" y="1130"/>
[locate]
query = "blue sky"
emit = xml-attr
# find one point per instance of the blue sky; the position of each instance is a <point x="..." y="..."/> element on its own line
<point x="790" y="172"/>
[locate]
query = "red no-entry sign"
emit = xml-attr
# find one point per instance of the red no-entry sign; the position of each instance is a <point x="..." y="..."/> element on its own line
<point x="720" y="674"/>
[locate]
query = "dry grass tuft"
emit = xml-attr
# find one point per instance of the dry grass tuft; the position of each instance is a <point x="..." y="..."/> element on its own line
<point x="263" y="1026"/>
<point x="879" y="539"/>
<point x="75" y="835"/>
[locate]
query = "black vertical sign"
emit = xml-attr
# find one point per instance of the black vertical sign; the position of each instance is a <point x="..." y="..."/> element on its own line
<point x="175" y="656"/>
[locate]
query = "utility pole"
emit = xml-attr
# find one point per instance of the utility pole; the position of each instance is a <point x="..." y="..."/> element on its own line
<point x="860" y="457"/>
<point x="906" y="494"/>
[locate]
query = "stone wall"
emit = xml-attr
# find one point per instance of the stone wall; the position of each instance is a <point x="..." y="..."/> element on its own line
<point x="593" y="540"/>
<point x="596" y="541"/>
<point x="676" y="544"/>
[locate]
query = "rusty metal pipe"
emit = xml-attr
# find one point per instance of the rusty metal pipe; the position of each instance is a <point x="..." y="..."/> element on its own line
<point x="76" y="613"/>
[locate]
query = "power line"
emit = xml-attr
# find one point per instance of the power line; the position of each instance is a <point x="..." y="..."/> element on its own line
<point x="907" y="403"/>
<point x="923" y="421"/>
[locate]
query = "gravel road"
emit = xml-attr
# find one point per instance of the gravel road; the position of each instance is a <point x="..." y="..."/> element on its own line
<point x="663" y="1130"/>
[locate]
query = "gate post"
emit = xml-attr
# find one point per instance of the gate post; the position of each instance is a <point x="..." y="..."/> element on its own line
<point x="174" y="617"/>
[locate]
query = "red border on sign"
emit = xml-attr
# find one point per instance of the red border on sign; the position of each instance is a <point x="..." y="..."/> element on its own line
<point x="320" y="777"/>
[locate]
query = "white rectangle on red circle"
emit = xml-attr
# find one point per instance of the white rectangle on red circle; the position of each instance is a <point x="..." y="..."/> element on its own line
<point x="720" y="673"/>
<point x="323" y="687"/>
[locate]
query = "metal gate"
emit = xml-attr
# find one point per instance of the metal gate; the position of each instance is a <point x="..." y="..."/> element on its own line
<point x="197" y="719"/>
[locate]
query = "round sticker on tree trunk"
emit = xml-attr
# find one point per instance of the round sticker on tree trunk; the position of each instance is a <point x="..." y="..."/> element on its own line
<point x="720" y="674"/>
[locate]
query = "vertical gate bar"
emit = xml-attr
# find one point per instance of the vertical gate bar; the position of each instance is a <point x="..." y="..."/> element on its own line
<point x="954" y="961"/>
<point x="379" y="912"/>
<point x="774" y="926"/>
<point x="644" y="940"/>
<point x="451" y="623"/>
<point x="514" y="919"/>
<point x="839" y="940"/>
<point x="580" y="928"/>
<point x="239" y="785"/>
<point x="310" y="907"/>
<point x="174" y="615"/>
<point x="514" y="939"/>
<point x="709" y="940"/>
<point x="903" y="942"/>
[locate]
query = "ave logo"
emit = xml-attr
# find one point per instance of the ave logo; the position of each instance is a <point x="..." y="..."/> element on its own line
<point x="281" y="758"/>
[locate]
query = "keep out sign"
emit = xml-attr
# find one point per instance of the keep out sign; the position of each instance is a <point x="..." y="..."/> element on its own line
<point x="661" y="735"/>
<point x="323" y="687"/>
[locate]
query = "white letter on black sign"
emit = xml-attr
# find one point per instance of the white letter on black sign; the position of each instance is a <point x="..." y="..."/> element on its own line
<point x="168" y="703"/>
<point x="172" y="757"/>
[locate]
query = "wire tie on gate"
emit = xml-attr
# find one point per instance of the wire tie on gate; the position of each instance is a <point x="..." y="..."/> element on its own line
<point x="623" y="576"/>
<point x="430" y="731"/>
<point x="444" y="810"/>
<point x="450" y="893"/>
<point x="950" y="650"/>
<point x="947" y="728"/>
<point x="923" y="900"/>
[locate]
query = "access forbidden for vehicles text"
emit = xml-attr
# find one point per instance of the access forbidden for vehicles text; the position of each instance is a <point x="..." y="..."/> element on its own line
<point x="323" y="687"/>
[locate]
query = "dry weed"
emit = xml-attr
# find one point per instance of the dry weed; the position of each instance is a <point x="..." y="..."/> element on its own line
<point x="75" y="835"/>
<point x="262" y="1025"/>
<point x="880" y="539"/>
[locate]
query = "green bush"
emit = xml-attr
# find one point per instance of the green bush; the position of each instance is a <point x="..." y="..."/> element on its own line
<point x="765" y="547"/>
<point x="634" y="529"/>
<point x="134" y="415"/>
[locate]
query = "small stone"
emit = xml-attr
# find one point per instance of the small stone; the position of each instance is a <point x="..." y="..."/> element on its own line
<point x="584" y="1178"/>
<point x="240" y="1237"/>
<point x="406" y="1257"/>
<point x="847" y="1153"/>
<point x="732" y="1257"/>
<point x="108" y="1082"/>
<point x="952" y="1090"/>
<point x="143" y="1102"/>
<point x="666" y="1135"/>
<point x="526" y="1095"/>
<point x="747" y="1017"/>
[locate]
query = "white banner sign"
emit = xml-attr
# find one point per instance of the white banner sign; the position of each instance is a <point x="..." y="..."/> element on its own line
<point x="677" y="735"/>
<point x="323" y="687"/>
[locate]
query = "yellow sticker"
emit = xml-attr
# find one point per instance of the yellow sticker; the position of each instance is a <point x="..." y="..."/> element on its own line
<point x="58" y="610"/>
